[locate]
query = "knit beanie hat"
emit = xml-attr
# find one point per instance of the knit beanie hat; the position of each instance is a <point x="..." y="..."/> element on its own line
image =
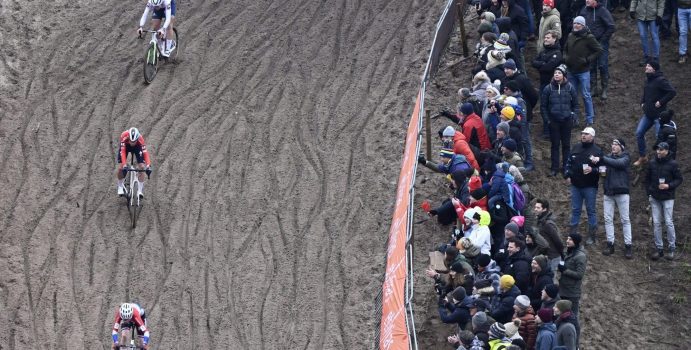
<point x="552" y="290"/>
<point x="446" y="153"/>
<point x="654" y="63"/>
<point x="506" y="282"/>
<point x="458" y="294"/>
<point x="449" y="131"/>
<point x="549" y="3"/>
<point x="503" y="39"/>
<point x="457" y="267"/>
<point x="508" y="112"/>
<point x="495" y="58"/>
<point x="488" y="16"/>
<point x="479" y="319"/>
<point x="511" y="328"/>
<point x="464" y="93"/>
<point x="513" y="86"/>
<point x="510" y="64"/>
<point x="493" y="89"/>
<point x="541" y="261"/>
<point x="546" y="314"/>
<point x="504" y="126"/>
<point x="497" y="331"/>
<point x="522" y="301"/>
<point x="580" y="20"/>
<point x="510" y="144"/>
<point x="576" y="238"/>
<point x="665" y="117"/>
<point x="512" y="227"/>
<point x="518" y="220"/>
<point x="484" y="27"/>
<point x="562" y="68"/>
<point x="467" y="108"/>
<point x="483" y="260"/>
<point x="564" y="305"/>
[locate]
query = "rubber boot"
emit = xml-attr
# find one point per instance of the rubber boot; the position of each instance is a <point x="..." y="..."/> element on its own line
<point x="591" y="236"/>
<point x="594" y="89"/>
<point x="605" y="86"/>
<point x="609" y="249"/>
<point x="628" y="251"/>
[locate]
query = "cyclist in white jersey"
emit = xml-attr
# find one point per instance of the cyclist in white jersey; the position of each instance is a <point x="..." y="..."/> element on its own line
<point x="161" y="9"/>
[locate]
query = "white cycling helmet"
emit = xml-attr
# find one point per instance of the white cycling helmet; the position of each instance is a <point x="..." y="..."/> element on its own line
<point x="134" y="134"/>
<point x="126" y="311"/>
<point x="156" y="2"/>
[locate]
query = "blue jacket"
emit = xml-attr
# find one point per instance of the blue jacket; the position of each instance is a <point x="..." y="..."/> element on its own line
<point x="456" y="313"/>
<point x="458" y="162"/>
<point x="546" y="337"/>
<point x="502" y="305"/>
<point x="499" y="186"/>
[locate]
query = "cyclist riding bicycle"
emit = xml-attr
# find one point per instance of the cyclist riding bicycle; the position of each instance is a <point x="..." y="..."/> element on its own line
<point x="130" y="315"/>
<point x="131" y="141"/>
<point x="161" y="9"/>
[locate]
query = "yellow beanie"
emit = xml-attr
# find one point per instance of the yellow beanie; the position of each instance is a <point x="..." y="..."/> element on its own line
<point x="508" y="112"/>
<point x="506" y="282"/>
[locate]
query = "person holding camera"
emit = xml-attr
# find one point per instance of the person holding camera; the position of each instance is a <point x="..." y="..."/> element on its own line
<point x="455" y="308"/>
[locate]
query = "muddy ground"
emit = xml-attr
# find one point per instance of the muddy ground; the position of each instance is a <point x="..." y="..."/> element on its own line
<point x="276" y="142"/>
<point x="637" y="304"/>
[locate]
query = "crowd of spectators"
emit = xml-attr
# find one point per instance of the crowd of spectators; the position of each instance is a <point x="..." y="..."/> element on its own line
<point x="511" y="279"/>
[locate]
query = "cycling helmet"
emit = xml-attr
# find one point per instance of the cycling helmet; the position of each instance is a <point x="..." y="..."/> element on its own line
<point x="126" y="311"/>
<point x="156" y="2"/>
<point x="134" y="134"/>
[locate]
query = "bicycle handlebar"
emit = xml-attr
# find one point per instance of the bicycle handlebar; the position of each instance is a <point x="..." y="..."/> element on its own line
<point x="141" y="36"/>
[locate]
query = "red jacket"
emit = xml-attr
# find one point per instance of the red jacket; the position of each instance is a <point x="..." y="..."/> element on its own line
<point x="461" y="146"/>
<point x="528" y="328"/>
<point x="475" y="132"/>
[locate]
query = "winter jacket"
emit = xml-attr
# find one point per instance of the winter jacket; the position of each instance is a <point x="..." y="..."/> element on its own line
<point x="519" y="20"/>
<point x="461" y="146"/>
<point x="502" y="304"/>
<point x="518" y="266"/>
<point x="498" y="186"/>
<point x="546" y="336"/>
<point x="491" y="272"/>
<point x="481" y="235"/>
<point x="513" y="158"/>
<point x="617" y="179"/>
<point x="528" y="328"/>
<point x="546" y="61"/>
<point x="458" y="313"/>
<point x="647" y="10"/>
<point x="475" y="132"/>
<point x="550" y="21"/>
<point x="458" y="162"/>
<point x="530" y="96"/>
<point x="600" y="22"/>
<point x="566" y="331"/>
<point x="668" y="133"/>
<point x="572" y="278"/>
<point x="580" y="154"/>
<point x="550" y="232"/>
<point x="505" y="26"/>
<point x="540" y="281"/>
<point x="581" y="50"/>
<point x="559" y="101"/>
<point x="656" y="88"/>
<point x="662" y="168"/>
<point x="539" y="246"/>
<point x="496" y="73"/>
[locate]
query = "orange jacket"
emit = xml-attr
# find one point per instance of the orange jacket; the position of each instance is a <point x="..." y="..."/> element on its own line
<point x="461" y="146"/>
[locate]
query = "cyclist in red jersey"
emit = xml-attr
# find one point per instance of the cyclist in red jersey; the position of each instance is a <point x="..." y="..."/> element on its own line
<point x="131" y="141"/>
<point x="130" y="315"/>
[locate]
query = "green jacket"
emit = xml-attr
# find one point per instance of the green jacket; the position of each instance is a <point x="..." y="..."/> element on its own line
<point x="647" y="10"/>
<point x="572" y="278"/>
<point x="549" y="21"/>
<point x="581" y="50"/>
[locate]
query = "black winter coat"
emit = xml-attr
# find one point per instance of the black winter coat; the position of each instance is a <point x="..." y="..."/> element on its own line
<point x="547" y="61"/>
<point x="580" y="154"/>
<point x="539" y="282"/>
<point x="581" y="50"/>
<point x="668" y="133"/>
<point x="656" y="88"/>
<point x="518" y="266"/>
<point x="502" y="305"/>
<point x="600" y="22"/>
<point x="530" y="96"/>
<point x="664" y="168"/>
<point x="550" y="232"/>
<point x="617" y="179"/>
<point x="519" y="20"/>
<point x="559" y="101"/>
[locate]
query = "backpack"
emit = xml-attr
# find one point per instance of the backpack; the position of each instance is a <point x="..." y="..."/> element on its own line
<point x="519" y="200"/>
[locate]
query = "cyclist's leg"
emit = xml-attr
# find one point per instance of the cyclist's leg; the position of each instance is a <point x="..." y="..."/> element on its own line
<point x="120" y="176"/>
<point x="139" y="155"/>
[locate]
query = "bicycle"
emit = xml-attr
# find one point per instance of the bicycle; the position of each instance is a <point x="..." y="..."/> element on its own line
<point x="134" y="203"/>
<point x="127" y="337"/>
<point x="154" y="54"/>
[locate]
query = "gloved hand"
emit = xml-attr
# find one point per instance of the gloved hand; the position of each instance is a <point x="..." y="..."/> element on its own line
<point x="632" y="14"/>
<point x="148" y="171"/>
<point x="124" y="170"/>
<point x="658" y="20"/>
<point x="421" y="159"/>
<point x="161" y="33"/>
<point x="561" y="268"/>
<point x="140" y="31"/>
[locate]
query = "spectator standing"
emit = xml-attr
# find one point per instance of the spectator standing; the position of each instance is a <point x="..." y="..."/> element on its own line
<point x="546" y="330"/>
<point x="455" y="308"/>
<point x="509" y="154"/>
<point x="567" y="326"/>
<point x="502" y="303"/>
<point x="657" y="92"/>
<point x="550" y="21"/>
<point x="513" y="93"/>
<point x="535" y="245"/>
<point x="668" y="132"/>
<point x="558" y="109"/>
<point x="583" y="179"/>
<point x="550" y="232"/>
<point x="550" y="296"/>
<point x="662" y="179"/>
<point x="456" y="140"/>
<point x="581" y="51"/>
<point x="472" y="126"/>
<point x="648" y="17"/>
<point x="572" y="272"/>
<point x="542" y="276"/>
<point x="600" y="22"/>
<point x="527" y="328"/>
<point x="684" y="21"/>
<point x="616" y="165"/>
<point x="549" y="58"/>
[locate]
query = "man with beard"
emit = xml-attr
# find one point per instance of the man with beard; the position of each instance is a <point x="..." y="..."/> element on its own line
<point x="567" y="326"/>
<point x="550" y="296"/>
<point x="581" y="174"/>
<point x="616" y="166"/>
<point x="546" y="330"/>
<point x="581" y="51"/>
<point x="550" y="21"/>
<point x="517" y="264"/>
<point x="550" y="232"/>
<point x="572" y="271"/>
<point x="455" y="307"/>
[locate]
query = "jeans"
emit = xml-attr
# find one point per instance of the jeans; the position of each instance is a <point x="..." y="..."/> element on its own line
<point x="559" y="135"/>
<point x="525" y="4"/>
<point x="525" y="140"/>
<point x="684" y="19"/>
<point x="581" y="81"/>
<point x="659" y="208"/>
<point x="578" y="196"/>
<point x="645" y="27"/>
<point x="602" y="63"/>
<point x="622" y="203"/>
<point x="643" y="126"/>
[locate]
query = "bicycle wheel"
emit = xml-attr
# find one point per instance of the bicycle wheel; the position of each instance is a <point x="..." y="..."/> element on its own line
<point x="174" y="55"/>
<point x="150" y="62"/>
